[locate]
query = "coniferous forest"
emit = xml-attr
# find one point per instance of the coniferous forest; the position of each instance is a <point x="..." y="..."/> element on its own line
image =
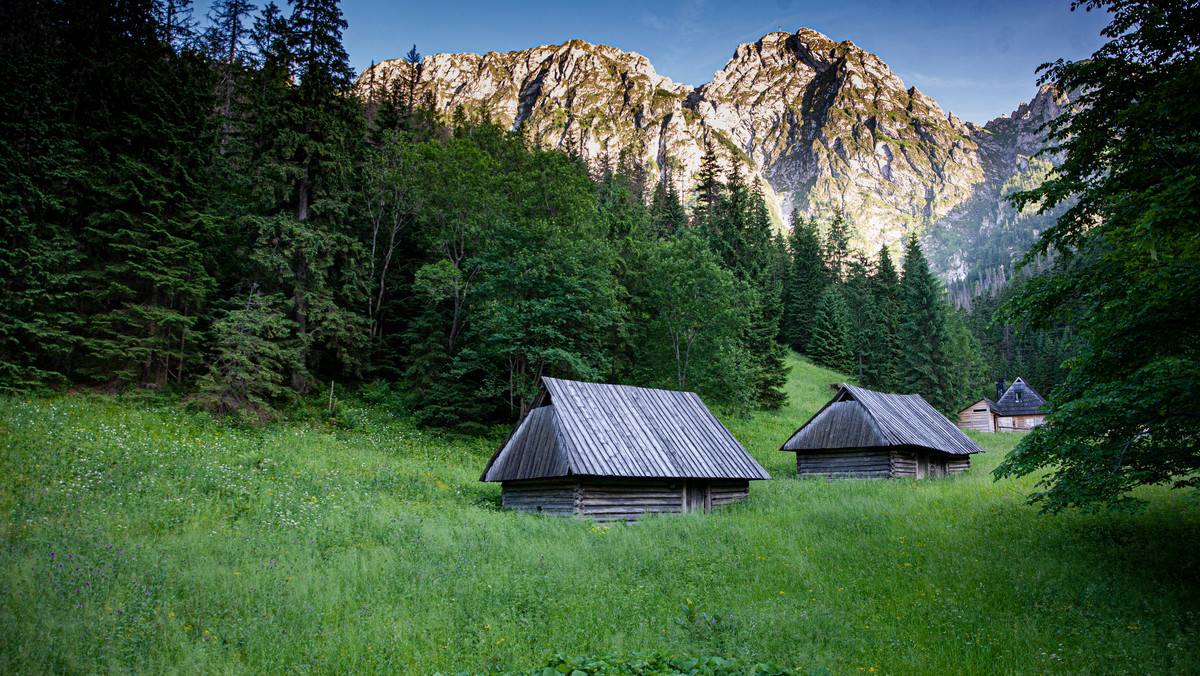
<point x="209" y="205"/>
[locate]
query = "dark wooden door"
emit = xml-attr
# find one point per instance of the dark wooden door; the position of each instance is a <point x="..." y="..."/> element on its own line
<point x="697" y="495"/>
<point x="922" y="464"/>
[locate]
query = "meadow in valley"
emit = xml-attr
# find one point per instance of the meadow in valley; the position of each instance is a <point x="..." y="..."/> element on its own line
<point x="139" y="535"/>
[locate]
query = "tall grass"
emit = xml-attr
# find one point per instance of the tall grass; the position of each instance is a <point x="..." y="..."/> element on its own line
<point x="150" y="539"/>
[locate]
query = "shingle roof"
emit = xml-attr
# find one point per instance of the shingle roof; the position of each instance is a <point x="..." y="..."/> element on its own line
<point x="1020" y="399"/>
<point x="858" y="418"/>
<point x="620" y="430"/>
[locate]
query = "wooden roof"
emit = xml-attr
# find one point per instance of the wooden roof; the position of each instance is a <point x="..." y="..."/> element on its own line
<point x="619" y="430"/>
<point x="1020" y="399"/>
<point x="859" y="418"/>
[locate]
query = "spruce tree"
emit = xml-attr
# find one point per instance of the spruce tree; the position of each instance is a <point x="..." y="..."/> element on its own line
<point x="146" y="137"/>
<point x="252" y="358"/>
<point x="225" y="41"/>
<point x="829" y="345"/>
<point x="927" y="363"/>
<point x="881" y="372"/>
<point x="41" y="170"/>
<point x="309" y="126"/>
<point x="709" y="187"/>
<point x="804" y="282"/>
<point x="837" y="246"/>
<point x="862" y="318"/>
<point x="667" y="214"/>
<point x="738" y="231"/>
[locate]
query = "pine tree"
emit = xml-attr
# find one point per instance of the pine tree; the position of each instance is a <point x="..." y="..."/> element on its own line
<point x="225" y="40"/>
<point x="738" y="231"/>
<point x="766" y="283"/>
<point x="862" y="317"/>
<point x="969" y="373"/>
<point x="177" y="26"/>
<point x="147" y="139"/>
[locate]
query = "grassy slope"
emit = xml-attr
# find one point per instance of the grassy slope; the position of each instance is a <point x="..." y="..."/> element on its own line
<point x="144" y="538"/>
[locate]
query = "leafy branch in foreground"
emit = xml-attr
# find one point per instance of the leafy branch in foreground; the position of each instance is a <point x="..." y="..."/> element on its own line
<point x="1129" y="265"/>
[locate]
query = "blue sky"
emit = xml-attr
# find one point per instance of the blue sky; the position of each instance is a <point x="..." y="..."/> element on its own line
<point x="977" y="58"/>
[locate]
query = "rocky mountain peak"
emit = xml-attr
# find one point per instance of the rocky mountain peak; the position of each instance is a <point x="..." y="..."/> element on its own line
<point x="819" y="124"/>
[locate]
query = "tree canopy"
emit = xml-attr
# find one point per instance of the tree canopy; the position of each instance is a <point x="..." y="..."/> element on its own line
<point x="1128" y="253"/>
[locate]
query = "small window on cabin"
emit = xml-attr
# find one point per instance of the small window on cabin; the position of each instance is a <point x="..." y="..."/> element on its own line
<point x="979" y="410"/>
<point x="1018" y="396"/>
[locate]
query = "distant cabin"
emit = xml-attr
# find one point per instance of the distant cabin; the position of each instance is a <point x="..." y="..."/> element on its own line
<point x="616" y="452"/>
<point x="1016" y="408"/>
<point x="862" y="434"/>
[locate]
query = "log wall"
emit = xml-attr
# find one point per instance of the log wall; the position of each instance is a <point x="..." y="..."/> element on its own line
<point x="903" y="464"/>
<point x="1026" y="422"/>
<point x="727" y="492"/>
<point x="865" y="463"/>
<point x="978" y="418"/>
<point x="614" y="498"/>
<point x="552" y="496"/>
<point x="881" y="463"/>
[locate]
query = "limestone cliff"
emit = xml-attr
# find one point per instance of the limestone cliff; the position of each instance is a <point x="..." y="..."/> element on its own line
<point x="820" y="124"/>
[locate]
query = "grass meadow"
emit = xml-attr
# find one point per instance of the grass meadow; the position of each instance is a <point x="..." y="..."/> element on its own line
<point x="137" y="535"/>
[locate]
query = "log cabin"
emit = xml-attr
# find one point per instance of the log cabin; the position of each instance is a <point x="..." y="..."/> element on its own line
<point x="863" y="434"/>
<point x="617" y="452"/>
<point x="1016" y="408"/>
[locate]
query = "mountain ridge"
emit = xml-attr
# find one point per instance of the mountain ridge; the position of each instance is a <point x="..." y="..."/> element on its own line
<point x="817" y="124"/>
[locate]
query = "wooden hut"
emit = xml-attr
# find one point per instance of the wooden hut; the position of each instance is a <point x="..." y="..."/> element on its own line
<point x="615" y="452"/>
<point x="866" y="434"/>
<point x="1016" y="408"/>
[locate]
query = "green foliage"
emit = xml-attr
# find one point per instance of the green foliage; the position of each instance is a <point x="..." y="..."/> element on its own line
<point x="1126" y="415"/>
<point x="969" y="374"/>
<point x="1010" y="349"/>
<point x="545" y="303"/>
<point x="738" y="230"/>
<point x="40" y="161"/>
<point x="698" y="313"/>
<point x="666" y="210"/>
<point x="837" y="246"/>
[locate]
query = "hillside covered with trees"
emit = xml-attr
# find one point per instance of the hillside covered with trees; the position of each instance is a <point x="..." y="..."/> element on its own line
<point x="213" y="207"/>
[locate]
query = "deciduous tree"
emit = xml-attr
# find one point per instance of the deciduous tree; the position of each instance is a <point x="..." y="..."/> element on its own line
<point x="1127" y="414"/>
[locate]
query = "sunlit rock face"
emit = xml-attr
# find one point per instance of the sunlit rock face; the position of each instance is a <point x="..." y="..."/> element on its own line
<point x="818" y="124"/>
